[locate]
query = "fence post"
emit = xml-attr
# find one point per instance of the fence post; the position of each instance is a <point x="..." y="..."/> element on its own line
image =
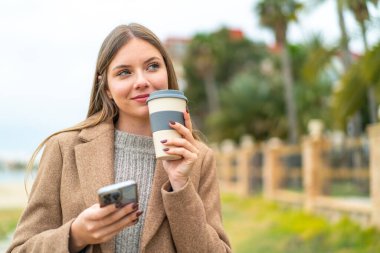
<point x="245" y="154"/>
<point x="227" y="149"/>
<point x="272" y="171"/>
<point x="374" y="167"/>
<point x="312" y="149"/>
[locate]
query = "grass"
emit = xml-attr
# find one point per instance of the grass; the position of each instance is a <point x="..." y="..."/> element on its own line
<point x="348" y="189"/>
<point x="255" y="226"/>
<point x="8" y="218"/>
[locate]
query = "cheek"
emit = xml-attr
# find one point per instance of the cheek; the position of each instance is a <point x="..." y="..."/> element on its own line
<point x="119" y="89"/>
<point x="162" y="82"/>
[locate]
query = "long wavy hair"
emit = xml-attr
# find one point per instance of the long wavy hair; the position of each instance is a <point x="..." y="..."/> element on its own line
<point x="100" y="103"/>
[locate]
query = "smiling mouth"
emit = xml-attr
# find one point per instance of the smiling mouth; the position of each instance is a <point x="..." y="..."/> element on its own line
<point x="141" y="96"/>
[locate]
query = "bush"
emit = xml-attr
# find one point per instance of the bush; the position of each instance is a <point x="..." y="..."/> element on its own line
<point x="255" y="225"/>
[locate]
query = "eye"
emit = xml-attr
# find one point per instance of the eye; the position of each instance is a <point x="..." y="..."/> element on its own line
<point x="124" y="72"/>
<point x="153" y="66"/>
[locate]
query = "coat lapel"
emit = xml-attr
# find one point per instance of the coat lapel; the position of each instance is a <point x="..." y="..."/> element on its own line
<point x="95" y="164"/>
<point x="155" y="211"/>
<point x="94" y="159"/>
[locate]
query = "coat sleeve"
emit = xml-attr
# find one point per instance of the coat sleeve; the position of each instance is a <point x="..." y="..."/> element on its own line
<point x="195" y="217"/>
<point x="40" y="227"/>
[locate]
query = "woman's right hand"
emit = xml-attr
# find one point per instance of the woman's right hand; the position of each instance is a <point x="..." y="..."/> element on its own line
<point x="99" y="224"/>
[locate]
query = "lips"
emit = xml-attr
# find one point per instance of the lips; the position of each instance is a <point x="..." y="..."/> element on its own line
<point x="141" y="96"/>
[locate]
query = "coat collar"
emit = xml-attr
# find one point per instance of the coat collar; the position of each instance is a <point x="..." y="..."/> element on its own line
<point x="95" y="164"/>
<point x="91" y="133"/>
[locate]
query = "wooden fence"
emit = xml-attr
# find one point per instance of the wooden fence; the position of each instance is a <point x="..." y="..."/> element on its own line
<point x="302" y="175"/>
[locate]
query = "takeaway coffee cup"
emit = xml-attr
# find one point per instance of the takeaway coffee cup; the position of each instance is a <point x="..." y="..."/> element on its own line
<point x="165" y="106"/>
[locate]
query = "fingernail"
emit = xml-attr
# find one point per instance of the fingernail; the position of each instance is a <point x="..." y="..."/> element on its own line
<point x="172" y="122"/>
<point x="140" y="212"/>
<point x="163" y="141"/>
<point x="165" y="149"/>
<point x="135" y="206"/>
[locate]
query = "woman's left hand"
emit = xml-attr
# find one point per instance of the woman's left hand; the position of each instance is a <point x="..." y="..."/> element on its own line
<point x="179" y="170"/>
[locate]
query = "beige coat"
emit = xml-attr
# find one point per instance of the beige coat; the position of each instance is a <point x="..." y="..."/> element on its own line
<point x="76" y="164"/>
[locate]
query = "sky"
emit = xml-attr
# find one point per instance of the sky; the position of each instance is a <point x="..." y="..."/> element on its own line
<point x="48" y="50"/>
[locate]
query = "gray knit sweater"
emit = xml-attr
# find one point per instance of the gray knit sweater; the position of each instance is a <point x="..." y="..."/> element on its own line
<point x="134" y="159"/>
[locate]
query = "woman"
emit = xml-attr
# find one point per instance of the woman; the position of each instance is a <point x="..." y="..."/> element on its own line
<point x="179" y="207"/>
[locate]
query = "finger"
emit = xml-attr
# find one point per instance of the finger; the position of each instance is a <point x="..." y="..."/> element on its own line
<point x="186" y="154"/>
<point x="181" y="142"/>
<point x="96" y="212"/>
<point x="112" y="229"/>
<point x="182" y="130"/>
<point x="119" y="214"/>
<point x="188" y="123"/>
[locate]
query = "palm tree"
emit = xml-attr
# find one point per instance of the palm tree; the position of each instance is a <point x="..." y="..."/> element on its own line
<point x="360" y="10"/>
<point x="211" y="60"/>
<point x="347" y="60"/>
<point x="344" y="38"/>
<point x="205" y="65"/>
<point x="276" y="15"/>
<point x="355" y="121"/>
<point x="350" y="96"/>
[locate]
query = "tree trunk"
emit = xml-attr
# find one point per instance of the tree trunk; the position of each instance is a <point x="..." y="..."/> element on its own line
<point x="347" y="58"/>
<point x="291" y="112"/>
<point x="347" y="61"/>
<point x="372" y="104"/>
<point x="212" y="94"/>
<point x="354" y="125"/>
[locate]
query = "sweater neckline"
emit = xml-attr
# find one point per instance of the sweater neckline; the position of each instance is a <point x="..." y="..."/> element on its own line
<point x="125" y="140"/>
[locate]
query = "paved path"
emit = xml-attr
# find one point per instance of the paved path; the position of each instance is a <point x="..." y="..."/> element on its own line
<point x="12" y="195"/>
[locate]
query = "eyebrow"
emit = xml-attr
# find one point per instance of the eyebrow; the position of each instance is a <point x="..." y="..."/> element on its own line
<point x="126" y="66"/>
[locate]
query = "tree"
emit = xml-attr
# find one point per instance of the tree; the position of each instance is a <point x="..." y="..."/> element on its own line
<point x="211" y="61"/>
<point x="249" y="105"/>
<point x="314" y="75"/>
<point x="317" y="65"/>
<point x="344" y="38"/>
<point x="360" y="10"/>
<point x="253" y="102"/>
<point x="350" y="96"/>
<point x="276" y="15"/>
<point x="347" y="59"/>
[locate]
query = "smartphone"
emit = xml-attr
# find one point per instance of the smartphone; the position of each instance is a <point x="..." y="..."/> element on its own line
<point x="120" y="194"/>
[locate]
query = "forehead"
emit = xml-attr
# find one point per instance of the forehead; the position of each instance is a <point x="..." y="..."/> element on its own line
<point x="134" y="51"/>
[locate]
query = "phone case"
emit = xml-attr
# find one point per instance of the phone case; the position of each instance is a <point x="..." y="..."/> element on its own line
<point x="120" y="194"/>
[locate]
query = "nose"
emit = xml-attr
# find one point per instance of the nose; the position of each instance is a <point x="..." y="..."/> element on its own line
<point x="141" y="80"/>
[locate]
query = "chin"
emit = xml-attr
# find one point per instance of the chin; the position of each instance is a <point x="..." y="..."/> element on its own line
<point x="144" y="113"/>
<point x="137" y="113"/>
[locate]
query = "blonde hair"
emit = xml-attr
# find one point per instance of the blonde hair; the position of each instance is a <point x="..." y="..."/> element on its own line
<point x="99" y="101"/>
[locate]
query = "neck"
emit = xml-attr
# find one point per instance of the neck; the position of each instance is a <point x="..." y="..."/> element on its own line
<point x="133" y="126"/>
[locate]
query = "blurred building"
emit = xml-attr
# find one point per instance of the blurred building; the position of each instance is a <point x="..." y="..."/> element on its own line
<point x="177" y="50"/>
<point x="236" y="34"/>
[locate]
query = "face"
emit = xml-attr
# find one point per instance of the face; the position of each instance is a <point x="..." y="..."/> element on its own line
<point x="137" y="70"/>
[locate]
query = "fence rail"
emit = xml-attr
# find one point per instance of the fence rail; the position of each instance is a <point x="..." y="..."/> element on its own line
<point x="308" y="175"/>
